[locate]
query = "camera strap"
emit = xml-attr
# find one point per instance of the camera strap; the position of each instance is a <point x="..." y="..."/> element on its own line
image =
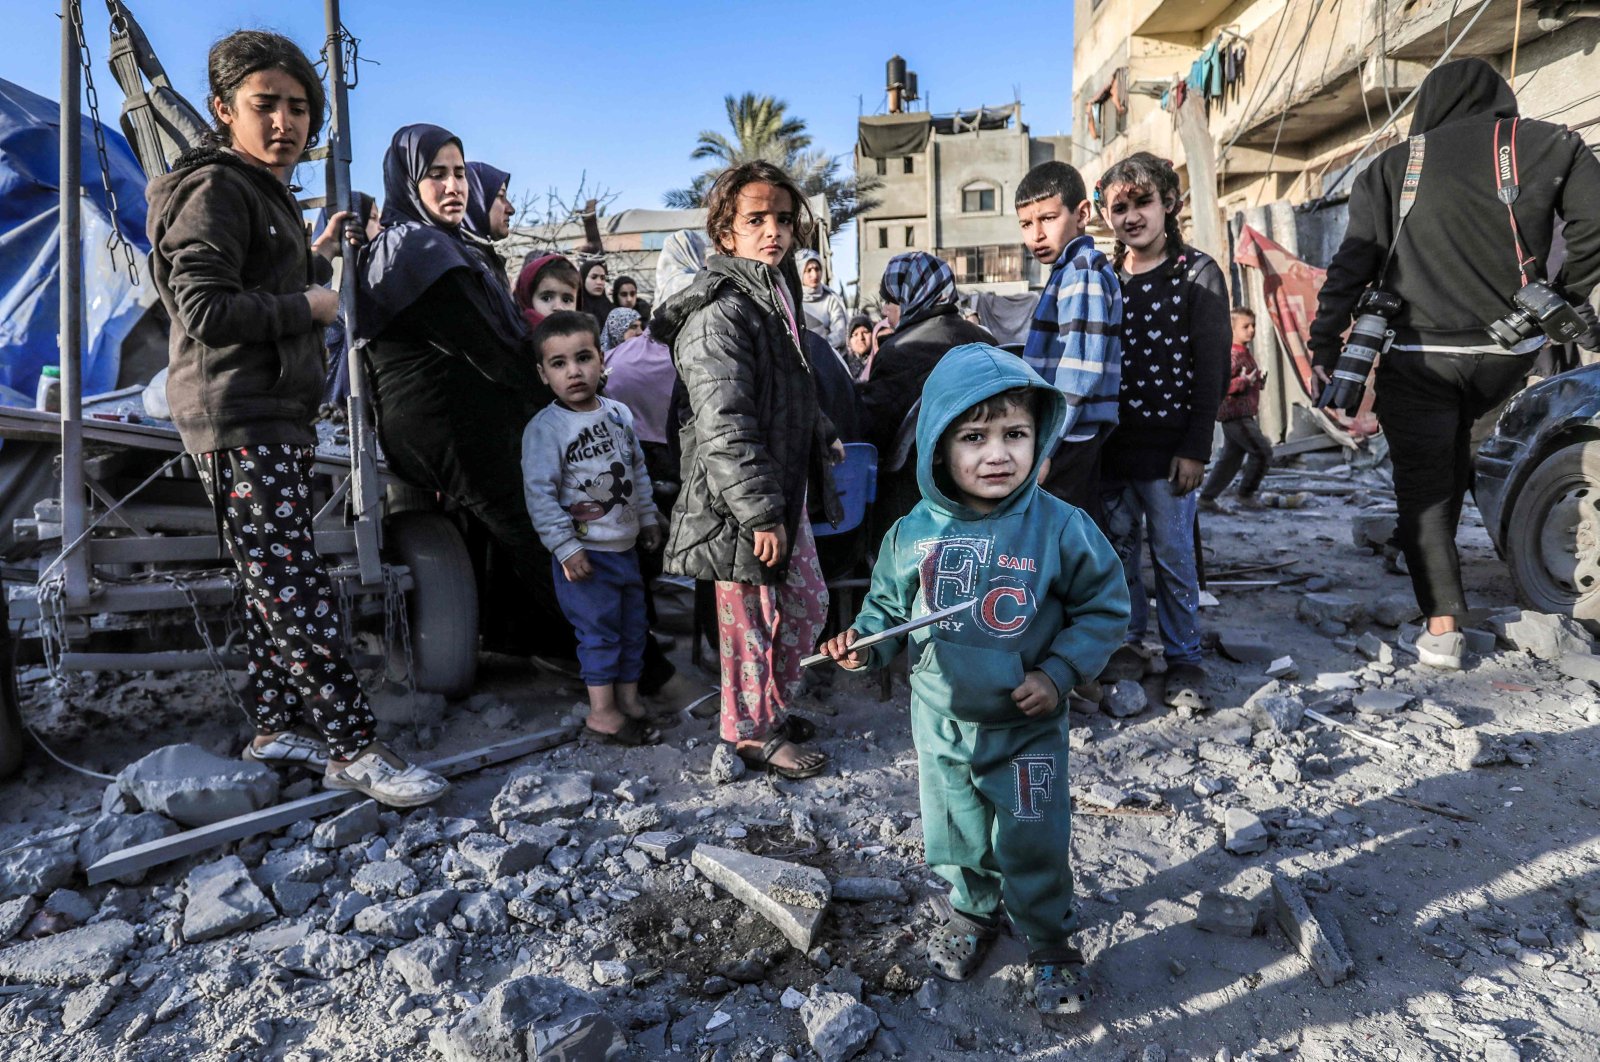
<point x="1507" y="190"/>
<point x="1408" y="198"/>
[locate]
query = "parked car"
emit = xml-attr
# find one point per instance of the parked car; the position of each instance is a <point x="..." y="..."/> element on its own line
<point x="1537" y="483"/>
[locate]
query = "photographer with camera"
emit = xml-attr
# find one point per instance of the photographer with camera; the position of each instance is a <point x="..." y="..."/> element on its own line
<point x="1443" y="264"/>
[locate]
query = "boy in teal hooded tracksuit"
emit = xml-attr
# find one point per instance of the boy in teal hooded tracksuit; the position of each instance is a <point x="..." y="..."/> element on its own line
<point x="988" y="685"/>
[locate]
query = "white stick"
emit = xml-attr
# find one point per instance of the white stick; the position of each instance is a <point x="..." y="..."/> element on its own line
<point x="1352" y="731"/>
<point x="895" y="632"/>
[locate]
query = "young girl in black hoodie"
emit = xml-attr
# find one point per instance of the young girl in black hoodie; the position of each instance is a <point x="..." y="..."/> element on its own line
<point x="236" y="276"/>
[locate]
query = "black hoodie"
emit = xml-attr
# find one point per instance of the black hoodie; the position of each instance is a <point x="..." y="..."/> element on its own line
<point x="1455" y="264"/>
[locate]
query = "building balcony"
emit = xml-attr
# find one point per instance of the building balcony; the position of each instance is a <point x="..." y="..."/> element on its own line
<point x="995" y="263"/>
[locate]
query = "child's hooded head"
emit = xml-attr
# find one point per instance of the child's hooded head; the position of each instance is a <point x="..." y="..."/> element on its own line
<point x="988" y="449"/>
<point x="546" y="284"/>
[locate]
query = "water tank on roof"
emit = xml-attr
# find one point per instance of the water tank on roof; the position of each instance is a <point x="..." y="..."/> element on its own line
<point x="911" y="84"/>
<point x="897" y="72"/>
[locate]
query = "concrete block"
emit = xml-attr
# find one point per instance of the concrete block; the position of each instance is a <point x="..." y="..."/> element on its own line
<point x="750" y="879"/>
<point x="1319" y="940"/>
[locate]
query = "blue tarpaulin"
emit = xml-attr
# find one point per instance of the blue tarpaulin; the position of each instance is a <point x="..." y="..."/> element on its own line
<point x="30" y="268"/>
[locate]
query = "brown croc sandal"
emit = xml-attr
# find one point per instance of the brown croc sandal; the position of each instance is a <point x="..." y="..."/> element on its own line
<point x="761" y="759"/>
<point x="1061" y="986"/>
<point x="956" y="947"/>
<point x="1186" y="687"/>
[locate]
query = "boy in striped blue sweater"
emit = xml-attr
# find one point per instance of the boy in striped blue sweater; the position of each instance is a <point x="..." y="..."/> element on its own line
<point x="1074" y="341"/>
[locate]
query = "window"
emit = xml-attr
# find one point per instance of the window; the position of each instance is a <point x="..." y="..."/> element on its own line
<point x="883" y="167"/>
<point x="979" y="200"/>
<point x="911" y="236"/>
<point x="883" y="237"/>
<point x="909" y="167"/>
<point x="990" y="264"/>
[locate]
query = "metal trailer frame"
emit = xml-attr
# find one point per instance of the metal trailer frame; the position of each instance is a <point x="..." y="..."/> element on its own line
<point x="77" y="583"/>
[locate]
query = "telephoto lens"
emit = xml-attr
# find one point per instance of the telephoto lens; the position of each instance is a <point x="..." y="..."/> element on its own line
<point x="1369" y="337"/>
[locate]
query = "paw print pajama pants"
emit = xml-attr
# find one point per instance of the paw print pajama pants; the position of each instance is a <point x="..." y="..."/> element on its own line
<point x="299" y="667"/>
<point x="763" y="632"/>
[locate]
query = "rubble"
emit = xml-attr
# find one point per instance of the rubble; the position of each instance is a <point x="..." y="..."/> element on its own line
<point x="325" y="955"/>
<point x="1231" y="916"/>
<point x="76" y="957"/>
<point x="533" y="798"/>
<point x="496" y="859"/>
<point x="14" y="914"/>
<point x="1276" y="712"/>
<point x="1473" y="748"/>
<point x="801" y="887"/>
<point x="1245" y="646"/>
<point x="348" y="827"/>
<point x="837" y="1026"/>
<point x="1382" y="702"/>
<point x="47" y="862"/>
<point x="381" y="880"/>
<point x="1373" y="530"/>
<point x="427" y="964"/>
<point x="221" y="898"/>
<point x="112" y="833"/>
<point x="1318" y="940"/>
<point x="867" y="890"/>
<point x="1546" y="636"/>
<point x="1329" y="608"/>
<point x="409" y="918"/>
<point x="726" y="766"/>
<point x="85" y="1007"/>
<point x="662" y="845"/>
<point x="1124" y="699"/>
<point x="1391" y="610"/>
<point x="197" y="788"/>
<point x="1243" y="833"/>
<point x="528" y="1018"/>
<point x="1282" y="667"/>
<point x="750" y="879"/>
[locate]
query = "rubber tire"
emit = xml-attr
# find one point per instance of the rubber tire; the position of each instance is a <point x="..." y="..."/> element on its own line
<point x="442" y="604"/>
<point x="1534" y="533"/>
<point x="13" y="742"/>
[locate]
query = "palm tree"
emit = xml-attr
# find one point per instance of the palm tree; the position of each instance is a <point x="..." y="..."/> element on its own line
<point x="763" y="130"/>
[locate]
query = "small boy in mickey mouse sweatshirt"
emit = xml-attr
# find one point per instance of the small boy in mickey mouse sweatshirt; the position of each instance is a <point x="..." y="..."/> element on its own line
<point x="589" y="496"/>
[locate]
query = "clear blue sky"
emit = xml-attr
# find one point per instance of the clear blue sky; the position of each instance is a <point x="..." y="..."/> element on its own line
<point x="620" y="90"/>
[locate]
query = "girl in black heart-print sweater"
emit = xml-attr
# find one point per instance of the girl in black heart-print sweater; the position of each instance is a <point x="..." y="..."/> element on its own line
<point x="1175" y="361"/>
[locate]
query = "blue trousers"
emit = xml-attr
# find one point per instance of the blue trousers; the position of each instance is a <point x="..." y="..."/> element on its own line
<point x="1134" y="507"/>
<point x="607" y="612"/>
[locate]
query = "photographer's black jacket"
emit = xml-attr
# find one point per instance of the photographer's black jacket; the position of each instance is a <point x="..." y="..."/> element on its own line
<point x="1455" y="265"/>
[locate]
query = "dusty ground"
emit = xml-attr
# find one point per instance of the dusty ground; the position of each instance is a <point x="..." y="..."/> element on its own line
<point x="1407" y="886"/>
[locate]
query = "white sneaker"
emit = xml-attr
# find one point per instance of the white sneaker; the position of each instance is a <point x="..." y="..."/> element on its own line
<point x="386" y="778"/>
<point x="1441" y="650"/>
<point x="289" y="749"/>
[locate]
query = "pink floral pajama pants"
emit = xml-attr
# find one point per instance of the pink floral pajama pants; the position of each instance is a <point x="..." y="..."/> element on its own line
<point x="763" y="632"/>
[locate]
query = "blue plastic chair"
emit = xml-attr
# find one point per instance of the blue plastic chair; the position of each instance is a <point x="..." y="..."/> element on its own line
<point x="856" y="478"/>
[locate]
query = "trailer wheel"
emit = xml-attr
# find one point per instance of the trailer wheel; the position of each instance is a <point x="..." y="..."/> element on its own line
<point x="11" y="734"/>
<point x="442" y="604"/>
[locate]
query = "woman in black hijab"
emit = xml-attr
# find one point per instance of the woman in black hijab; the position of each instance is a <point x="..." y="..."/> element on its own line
<point x="452" y="366"/>
<point x="592" y="299"/>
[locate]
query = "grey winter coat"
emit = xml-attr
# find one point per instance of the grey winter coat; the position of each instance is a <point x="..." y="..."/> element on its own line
<point x="755" y="443"/>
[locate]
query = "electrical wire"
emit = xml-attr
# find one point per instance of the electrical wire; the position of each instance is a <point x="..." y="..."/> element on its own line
<point x="1252" y="105"/>
<point x="1294" y="78"/>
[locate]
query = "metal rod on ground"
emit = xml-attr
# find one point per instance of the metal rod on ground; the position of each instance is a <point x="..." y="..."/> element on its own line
<point x="1449" y="813"/>
<point x="1352" y="731"/>
<point x="70" y="323"/>
<point x="895" y="632"/>
<point x="202" y="838"/>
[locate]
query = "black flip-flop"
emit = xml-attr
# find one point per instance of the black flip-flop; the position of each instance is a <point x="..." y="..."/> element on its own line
<point x="634" y="733"/>
<point x="797" y="729"/>
<point x="761" y="760"/>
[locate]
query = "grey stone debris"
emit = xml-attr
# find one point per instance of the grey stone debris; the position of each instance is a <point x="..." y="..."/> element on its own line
<point x="726" y="766"/>
<point x="637" y="818"/>
<point x="1285" y="767"/>
<point x="344" y="911"/>
<point x="497" y="859"/>
<point x="14" y="914"/>
<point x="427" y="964"/>
<point x="222" y="899"/>
<point x="484" y="913"/>
<point x="610" y="972"/>
<point x="802" y="887"/>
<point x="388" y="878"/>
<point x="325" y="955"/>
<point x="347" y="827"/>
<point x="1391" y="610"/>
<point x="77" y="957"/>
<point x="662" y="845"/>
<point x="536" y="798"/>
<point x="46" y="864"/>
<point x="837" y="1026"/>
<point x="1245" y="646"/>
<point x="1232" y="916"/>
<point x="1546" y="636"/>
<point x="409" y="918"/>
<point x="1375" y="649"/>
<point x="1318" y="940"/>
<point x="1324" y="608"/>
<point x="1383" y="702"/>
<point x="85" y="1007"/>
<point x="112" y="833"/>
<point x="1588" y="908"/>
<point x="294" y="898"/>
<point x="541" y="836"/>
<point x="1473" y="748"/>
<point x="394" y="704"/>
<point x="196" y="788"/>
<point x="750" y="879"/>
<point x="1281" y="712"/>
<point x="1243" y="833"/>
<point x="528" y="1018"/>
<point x="1124" y="699"/>
<point x="1373" y="529"/>
<point x="1446" y="715"/>
<point x="293" y="864"/>
<point x="1583" y="666"/>
<point x="866" y="890"/>
<point x="1478" y="641"/>
<point x="1101" y="795"/>
<point x="70" y="905"/>
<point x="1282" y="667"/>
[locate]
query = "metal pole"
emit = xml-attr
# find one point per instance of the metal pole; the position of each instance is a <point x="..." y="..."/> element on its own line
<point x="364" y="485"/>
<point x="70" y="335"/>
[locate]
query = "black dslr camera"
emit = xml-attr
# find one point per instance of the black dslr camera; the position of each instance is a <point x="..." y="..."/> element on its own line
<point x="1369" y="337"/>
<point x="1538" y="308"/>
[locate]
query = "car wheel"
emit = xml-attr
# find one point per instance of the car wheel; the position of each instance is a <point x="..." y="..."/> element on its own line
<point x="1553" y="536"/>
<point x="442" y="605"/>
<point x="12" y="745"/>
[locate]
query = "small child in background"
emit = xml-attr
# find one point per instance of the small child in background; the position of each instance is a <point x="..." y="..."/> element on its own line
<point x="1242" y="440"/>
<point x="546" y="284"/>
<point x="989" y="684"/>
<point x="590" y="499"/>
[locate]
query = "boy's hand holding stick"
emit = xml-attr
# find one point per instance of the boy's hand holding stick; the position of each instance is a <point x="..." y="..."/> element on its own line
<point x="845" y="648"/>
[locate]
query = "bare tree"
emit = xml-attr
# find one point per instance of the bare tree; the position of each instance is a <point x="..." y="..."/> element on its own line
<point x="554" y="222"/>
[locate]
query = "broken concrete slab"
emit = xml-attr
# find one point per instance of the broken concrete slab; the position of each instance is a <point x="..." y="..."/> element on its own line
<point x="1391" y="610"/>
<point x="197" y="788"/>
<point x="294" y="898"/>
<point x="1124" y="699"/>
<point x="409" y="918"/>
<point x="1382" y="702"/>
<point x="1232" y="916"/>
<point x="427" y="964"/>
<point x="610" y="972"/>
<point x="76" y="957"/>
<point x="866" y="890"/>
<point x="1320" y="941"/>
<point x="46" y="864"/>
<point x="726" y="765"/>
<point x="1375" y="649"/>
<point x="837" y="1026"/>
<point x="1277" y="712"/>
<point x="542" y="837"/>
<point x="802" y="887"/>
<point x="1585" y="666"/>
<point x="637" y="818"/>
<point x="1282" y="667"/>
<point x="1243" y="832"/>
<point x="1544" y="635"/>
<point x="750" y="879"/>
<point x="85" y="1007"/>
<point x="1101" y="795"/>
<point x="1329" y="608"/>
<point x="528" y="1018"/>
<point x="325" y="955"/>
<point x="496" y="859"/>
<point x="484" y="913"/>
<point x="1245" y="646"/>
<point x="539" y="798"/>
<point x="221" y="899"/>
<point x="662" y="845"/>
<point x="348" y="827"/>
<point x="14" y="914"/>
<point x="1373" y="530"/>
<point x="388" y="878"/>
<point x="113" y="833"/>
<point x="1472" y="748"/>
